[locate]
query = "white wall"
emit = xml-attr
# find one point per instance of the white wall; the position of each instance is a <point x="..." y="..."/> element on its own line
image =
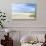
<point x="5" y="5"/>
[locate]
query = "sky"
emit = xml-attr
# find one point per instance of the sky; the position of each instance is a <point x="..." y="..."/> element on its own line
<point x="23" y="8"/>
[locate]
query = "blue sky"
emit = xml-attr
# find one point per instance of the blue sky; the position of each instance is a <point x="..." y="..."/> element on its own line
<point x="23" y="8"/>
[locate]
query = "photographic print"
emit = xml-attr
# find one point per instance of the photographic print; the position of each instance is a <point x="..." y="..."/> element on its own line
<point x="24" y="11"/>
